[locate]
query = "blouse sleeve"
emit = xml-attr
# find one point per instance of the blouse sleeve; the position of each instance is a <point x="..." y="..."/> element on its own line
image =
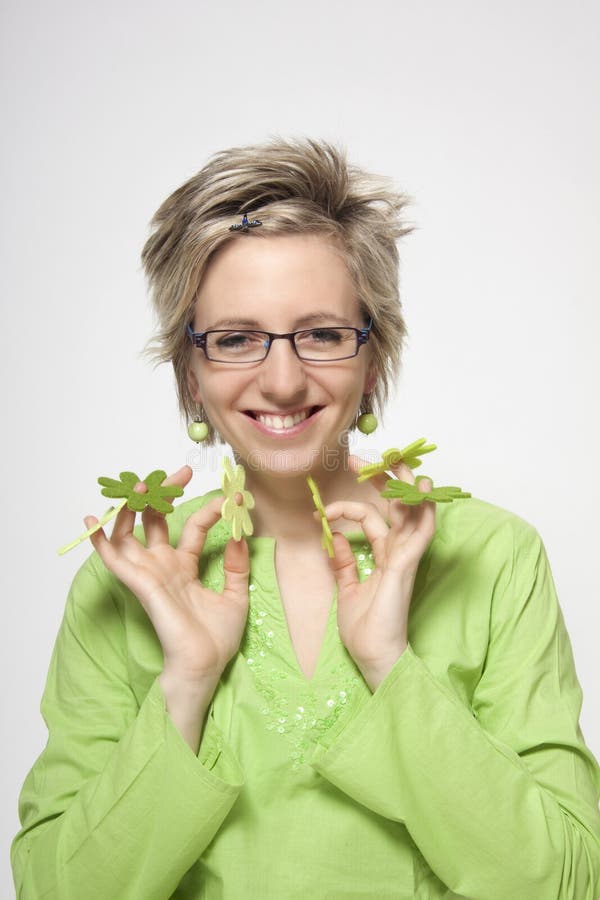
<point x="500" y="798"/>
<point x="117" y="805"/>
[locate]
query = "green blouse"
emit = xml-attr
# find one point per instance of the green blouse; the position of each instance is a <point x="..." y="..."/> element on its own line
<point x="464" y="775"/>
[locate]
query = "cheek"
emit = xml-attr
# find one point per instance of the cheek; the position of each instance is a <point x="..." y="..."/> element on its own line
<point x="354" y="390"/>
<point x="219" y="393"/>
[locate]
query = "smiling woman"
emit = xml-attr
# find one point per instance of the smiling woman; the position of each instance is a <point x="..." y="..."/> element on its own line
<point x="237" y="716"/>
<point x="261" y="393"/>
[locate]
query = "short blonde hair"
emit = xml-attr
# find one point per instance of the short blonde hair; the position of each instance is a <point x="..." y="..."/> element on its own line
<point x="295" y="187"/>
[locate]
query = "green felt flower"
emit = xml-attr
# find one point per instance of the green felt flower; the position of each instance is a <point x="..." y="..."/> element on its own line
<point x="409" y="456"/>
<point x="326" y="537"/>
<point x="237" y="500"/>
<point x="410" y="494"/>
<point x="155" y="491"/>
<point x="124" y="487"/>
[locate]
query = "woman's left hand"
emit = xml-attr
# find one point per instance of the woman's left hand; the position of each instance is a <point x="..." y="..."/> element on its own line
<point x="373" y="616"/>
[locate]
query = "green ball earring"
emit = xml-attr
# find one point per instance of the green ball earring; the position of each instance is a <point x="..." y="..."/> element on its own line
<point x="367" y="423"/>
<point x="198" y="430"/>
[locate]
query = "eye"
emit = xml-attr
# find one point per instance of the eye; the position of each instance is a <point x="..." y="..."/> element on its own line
<point x="233" y="340"/>
<point x="322" y="336"/>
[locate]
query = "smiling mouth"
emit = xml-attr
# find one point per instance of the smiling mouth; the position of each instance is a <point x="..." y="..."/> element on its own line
<point x="282" y="422"/>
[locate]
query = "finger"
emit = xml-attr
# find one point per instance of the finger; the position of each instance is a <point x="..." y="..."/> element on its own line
<point x="196" y="528"/>
<point x="355" y="463"/>
<point x="102" y="545"/>
<point x="398" y="470"/>
<point x="417" y="533"/>
<point x="236" y="566"/>
<point x="426" y="522"/>
<point x="369" y="518"/>
<point x="156" y="529"/>
<point x="406" y="554"/>
<point x="425" y="485"/>
<point x="425" y="528"/>
<point x="402" y="515"/>
<point x="343" y="563"/>
<point x="125" y="519"/>
<point x="402" y="471"/>
<point x="181" y="478"/>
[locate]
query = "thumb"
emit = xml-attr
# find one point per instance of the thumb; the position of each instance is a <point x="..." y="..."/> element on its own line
<point x="343" y="563"/>
<point x="236" y="566"/>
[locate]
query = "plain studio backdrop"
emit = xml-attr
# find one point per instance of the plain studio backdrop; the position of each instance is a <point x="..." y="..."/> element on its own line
<point x="485" y="113"/>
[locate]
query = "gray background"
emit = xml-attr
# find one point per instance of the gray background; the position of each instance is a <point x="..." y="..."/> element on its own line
<point x="486" y="113"/>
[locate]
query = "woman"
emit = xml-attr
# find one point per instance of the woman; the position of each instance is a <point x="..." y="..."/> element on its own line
<point x="246" y="718"/>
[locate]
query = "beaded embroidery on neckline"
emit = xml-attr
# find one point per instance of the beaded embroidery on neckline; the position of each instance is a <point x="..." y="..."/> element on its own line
<point x="291" y="706"/>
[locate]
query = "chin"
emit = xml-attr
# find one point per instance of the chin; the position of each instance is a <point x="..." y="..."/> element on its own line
<point x="281" y="463"/>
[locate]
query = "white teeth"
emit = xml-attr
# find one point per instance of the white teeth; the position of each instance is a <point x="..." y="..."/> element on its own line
<point x="282" y="422"/>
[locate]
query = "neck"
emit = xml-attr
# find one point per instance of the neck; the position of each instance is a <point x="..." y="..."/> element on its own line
<point x="284" y="505"/>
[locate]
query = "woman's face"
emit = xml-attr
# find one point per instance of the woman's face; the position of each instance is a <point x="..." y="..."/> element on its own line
<point x="280" y="284"/>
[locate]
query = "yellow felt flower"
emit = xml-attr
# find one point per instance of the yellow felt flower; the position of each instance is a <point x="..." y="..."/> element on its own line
<point x="237" y="500"/>
<point x="326" y="537"/>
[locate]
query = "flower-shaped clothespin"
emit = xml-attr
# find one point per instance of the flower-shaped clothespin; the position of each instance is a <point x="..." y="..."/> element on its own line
<point x="410" y="494"/>
<point x="237" y="500"/>
<point x="409" y="456"/>
<point x="124" y="487"/>
<point x="326" y="537"/>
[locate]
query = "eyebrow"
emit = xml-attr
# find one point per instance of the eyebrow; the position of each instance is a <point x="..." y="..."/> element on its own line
<point x="302" y="320"/>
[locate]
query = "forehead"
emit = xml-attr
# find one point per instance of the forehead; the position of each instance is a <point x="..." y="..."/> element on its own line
<point x="276" y="278"/>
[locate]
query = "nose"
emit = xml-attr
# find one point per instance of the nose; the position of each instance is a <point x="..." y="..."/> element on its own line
<point x="282" y="375"/>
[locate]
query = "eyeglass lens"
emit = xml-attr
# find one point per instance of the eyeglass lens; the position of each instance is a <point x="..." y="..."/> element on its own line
<point x="252" y="346"/>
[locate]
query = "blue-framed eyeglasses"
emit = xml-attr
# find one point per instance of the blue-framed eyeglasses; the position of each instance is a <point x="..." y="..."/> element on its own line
<point x="323" y="343"/>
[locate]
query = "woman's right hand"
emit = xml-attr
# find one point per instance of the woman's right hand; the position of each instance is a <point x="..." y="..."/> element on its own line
<point x="199" y="630"/>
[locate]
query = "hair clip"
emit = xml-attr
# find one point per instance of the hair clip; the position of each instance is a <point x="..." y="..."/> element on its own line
<point x="238" y="501"/>
<point x="154" y="497"/>
<point x="409" y="456"/>
<point x="326" y="537"/>
<point x="245" y="224"/>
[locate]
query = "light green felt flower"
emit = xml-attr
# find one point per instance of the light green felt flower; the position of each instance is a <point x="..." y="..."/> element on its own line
<point x="155" y="492"/>
<point x="237" y="500"/>
<point x="326" y="537"/>
<point x="409" y="456"/>
<point x="410" y="494"/>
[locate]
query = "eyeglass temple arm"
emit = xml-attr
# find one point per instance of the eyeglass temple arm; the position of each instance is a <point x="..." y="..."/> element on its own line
<point x="363" y="333"/>
<point x="198" y="338"/>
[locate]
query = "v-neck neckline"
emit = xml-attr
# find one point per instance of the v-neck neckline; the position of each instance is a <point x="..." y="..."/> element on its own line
<point x="255" y="543"/>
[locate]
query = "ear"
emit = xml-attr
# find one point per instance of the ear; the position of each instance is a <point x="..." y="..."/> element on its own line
<point x="193" y="386"/>
<point x="370" y="379"/>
